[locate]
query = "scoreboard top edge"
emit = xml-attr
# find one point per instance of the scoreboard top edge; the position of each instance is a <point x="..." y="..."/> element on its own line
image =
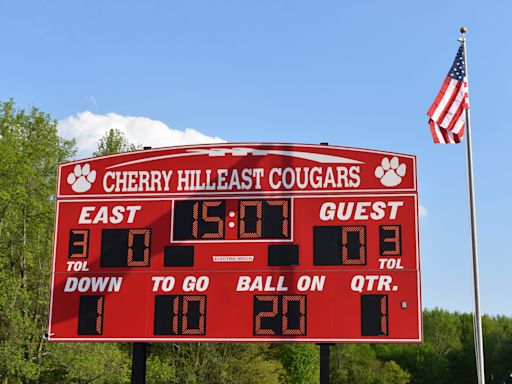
<point x="238" y="168"/>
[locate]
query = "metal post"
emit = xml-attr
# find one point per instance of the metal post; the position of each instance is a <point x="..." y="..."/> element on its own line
<point x="479" y="344"/>
<point x="324" y="363"/>
<point x="139" y="353"/>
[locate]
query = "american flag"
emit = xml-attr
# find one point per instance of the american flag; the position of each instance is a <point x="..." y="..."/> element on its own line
<point x="447" y="113"/>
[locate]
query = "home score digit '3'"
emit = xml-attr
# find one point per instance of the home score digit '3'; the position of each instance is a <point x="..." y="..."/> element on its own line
<point x="237" y="242"/>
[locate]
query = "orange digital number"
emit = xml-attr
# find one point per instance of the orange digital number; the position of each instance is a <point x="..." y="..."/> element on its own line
<point x="258" y="330"/>
<point x="200" y="330"/>
<point x="390" y="245"/>
<point x="302" y="319"/>
<point x="353" y="245"/>
<point x="219" y="234"/>
<point x="285" y="205"/>
<point x="82" y="244"/>
<point x="244" y="234"/>
<point x="147" y="242"/>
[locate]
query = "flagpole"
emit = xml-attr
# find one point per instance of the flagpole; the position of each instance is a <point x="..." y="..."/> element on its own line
<point x="479" y="345"/>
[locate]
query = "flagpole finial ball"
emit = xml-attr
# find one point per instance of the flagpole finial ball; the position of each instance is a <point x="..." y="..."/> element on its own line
<point x="463" y="29"/>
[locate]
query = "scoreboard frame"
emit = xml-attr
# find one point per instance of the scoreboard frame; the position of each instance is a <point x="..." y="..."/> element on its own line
<point x="67" y="198"/>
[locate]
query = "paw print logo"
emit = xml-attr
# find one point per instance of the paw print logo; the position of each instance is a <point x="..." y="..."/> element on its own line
<point x="390" y="172"/>
<point x="81" y="178"/>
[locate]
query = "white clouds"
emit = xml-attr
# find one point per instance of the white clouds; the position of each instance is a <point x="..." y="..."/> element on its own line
<point x="423" y="211"/>
<point x="87" y="128"/>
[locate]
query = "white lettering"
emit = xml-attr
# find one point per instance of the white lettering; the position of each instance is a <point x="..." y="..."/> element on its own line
<point x="258" y="174"/>
<point x="222" y="184"/>
<point x="105" y="215"/>
<point x="394" y="208"/>
<point x="167" y="179"/>
<point x="108" y="188"/>
<point x="71" y="284"/>
<point x="308" y="283"/>
<point x="84" y="215"/>
<point x="133" y="210"/>
<point x="191" y="283"/>
<point x="360" y="210"/>
<point x="386" y="263"/>
<point x="166" y="283"/>
<point x="274" y="172"/>
<point x="370" y="283"/>
<point x="93" y="284"/>
<point x="327" y="211"/>
<point x="243" y="283"/>
<point x="77" y="266"/>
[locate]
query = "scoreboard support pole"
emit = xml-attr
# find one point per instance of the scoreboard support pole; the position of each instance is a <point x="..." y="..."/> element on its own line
<point x="324" y="362"/>
<point x="139" y="354"/>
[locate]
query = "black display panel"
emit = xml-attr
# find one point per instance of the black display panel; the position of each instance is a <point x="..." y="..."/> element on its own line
<point x="257" y="219"/>
<point x="125" y="247"/>
<point x="78" y="244"/>
<point x="180" y="315"/>
<point x="178" y="256"/>
<point x="280" y="315"/>
<point x="374" y="315"/>
<point x="283" y="255"/>
<point x="90" y="315"/>
<point x="264" y="219"/>
<point x="339" y="245"/>
<point x="199" y="220"/>
<point x="326" y="245"/>
<point x="390" y="238"/>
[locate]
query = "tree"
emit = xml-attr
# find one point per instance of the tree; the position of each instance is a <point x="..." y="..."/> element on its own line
<point x="442" y="329"/>
<point x="30" y="152"/>
<point x="114" y="141"/>
<point x="358" y="364"/>
<point x="301" y="361"/>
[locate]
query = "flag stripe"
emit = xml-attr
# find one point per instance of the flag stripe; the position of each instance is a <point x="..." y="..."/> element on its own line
<point x="443" y="136"/>
<point x="444" y="99"/>
<point x="452" y="99"/>
<point x="458" y="128"/>
<point x="439" y="96"/>
<point x="436" y="135"/>
<point x="455" y="110"/>
<point x="452" y="119"/>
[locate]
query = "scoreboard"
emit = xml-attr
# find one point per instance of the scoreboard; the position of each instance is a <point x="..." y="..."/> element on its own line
<point x="243" y="242"/>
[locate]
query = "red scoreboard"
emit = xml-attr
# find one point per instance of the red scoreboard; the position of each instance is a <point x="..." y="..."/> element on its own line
<point x="237" y="242"/>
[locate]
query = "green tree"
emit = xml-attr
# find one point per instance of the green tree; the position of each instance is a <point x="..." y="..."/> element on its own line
<point x="301" y="361"/>
<point x="442" y="330"/>
<point x="392" y="373"/>
<point x="498" y="347"/>
<point x="30" y="152"/>
<point x="194" y="363"/>
<point x="359" y="364"/>
<point x="420" y="360"/>
<point x="93" y="363"/>
<point x="462" y="363"/>
<point x="114" y="141"/>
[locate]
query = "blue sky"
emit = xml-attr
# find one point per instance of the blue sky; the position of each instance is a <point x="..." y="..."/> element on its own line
<point x="353" y="73"/>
